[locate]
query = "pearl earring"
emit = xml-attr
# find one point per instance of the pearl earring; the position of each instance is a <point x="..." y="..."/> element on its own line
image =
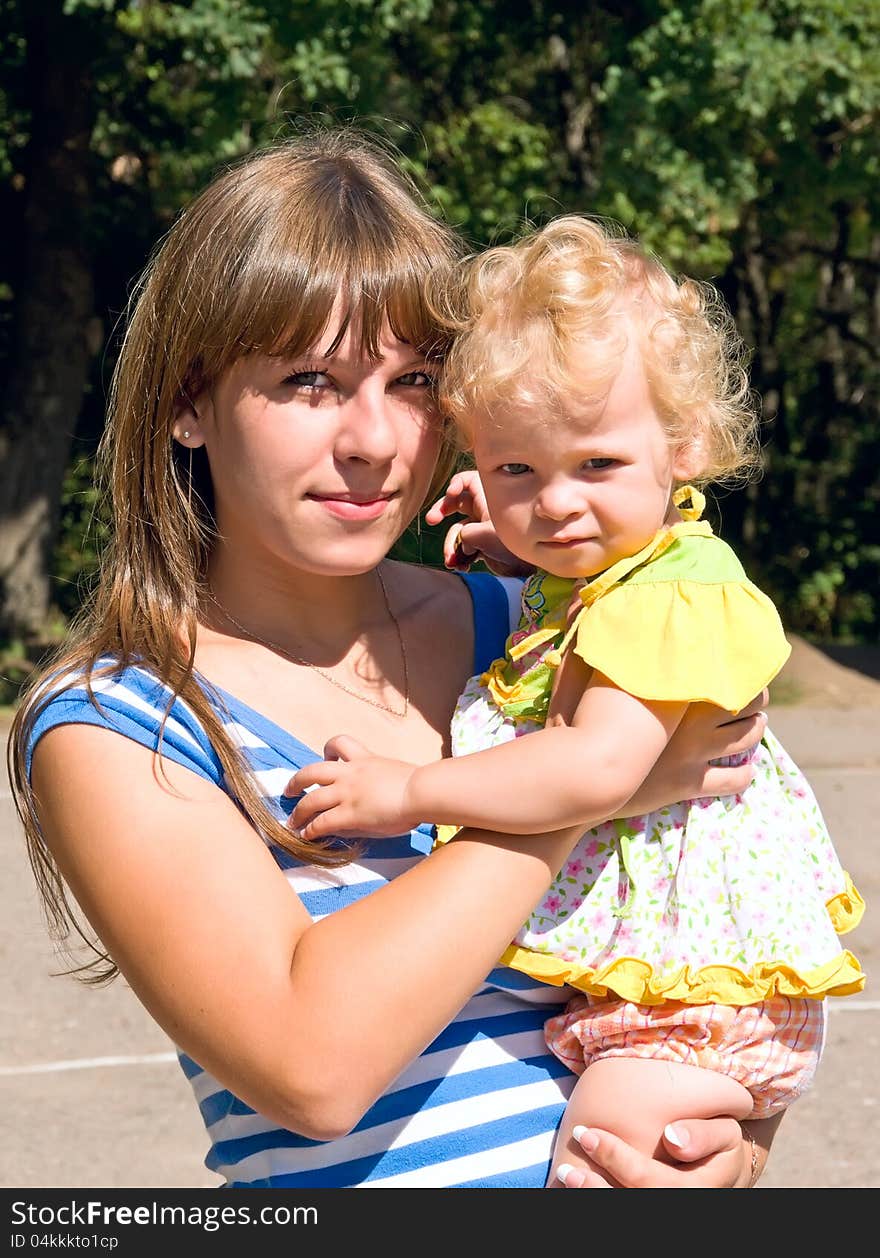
<point x="186" y="434"/>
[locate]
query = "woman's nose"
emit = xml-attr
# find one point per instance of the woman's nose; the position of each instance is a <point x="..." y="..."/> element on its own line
<point x="366" y="427"/>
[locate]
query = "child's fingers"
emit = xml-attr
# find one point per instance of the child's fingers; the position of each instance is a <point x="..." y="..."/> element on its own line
<point x="316" y="801"/>
<point x="472" y="498"/>
<point x="463" y="496"/>
<point x="439" y="510"/>
<point x="470" y="540"/>
<point x="344" y="747"/>
<point x="319" y="827"/>
<point x="455" y="554"/>
<point x="450" y="503"/>
<point x="320" y="773"/>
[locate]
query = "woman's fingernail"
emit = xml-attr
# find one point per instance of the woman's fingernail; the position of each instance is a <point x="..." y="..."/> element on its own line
<point x="678" y="1138"/>
<point x="585" y="1138"/>
<point x="563" y="1172"/>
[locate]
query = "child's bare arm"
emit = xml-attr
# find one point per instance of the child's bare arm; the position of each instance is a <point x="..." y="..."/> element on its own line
<point x="567" y="774"/>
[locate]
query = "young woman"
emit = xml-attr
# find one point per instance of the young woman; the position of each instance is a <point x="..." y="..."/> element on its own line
<point x="272" y="432"/>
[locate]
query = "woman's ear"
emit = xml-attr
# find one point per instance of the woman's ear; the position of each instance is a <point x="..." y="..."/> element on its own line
<point x="187" y="427"/>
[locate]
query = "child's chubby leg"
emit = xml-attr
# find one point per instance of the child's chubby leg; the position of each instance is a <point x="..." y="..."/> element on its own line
<point x="635" y="1098"/>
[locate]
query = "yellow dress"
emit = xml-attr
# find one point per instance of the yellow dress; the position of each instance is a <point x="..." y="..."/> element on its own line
<point x="727" y="900"/>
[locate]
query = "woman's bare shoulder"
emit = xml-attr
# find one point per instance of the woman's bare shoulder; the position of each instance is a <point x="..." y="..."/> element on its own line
<point x="431" y="591"/>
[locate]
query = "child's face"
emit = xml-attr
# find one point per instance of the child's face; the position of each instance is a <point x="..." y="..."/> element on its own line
<point x="573" y="494"/>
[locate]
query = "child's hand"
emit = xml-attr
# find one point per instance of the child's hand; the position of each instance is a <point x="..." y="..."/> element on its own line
<point x="352" y="794"/>
<point x="473" y="538"/>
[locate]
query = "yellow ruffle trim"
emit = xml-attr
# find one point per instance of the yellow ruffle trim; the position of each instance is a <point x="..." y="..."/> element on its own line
<point x="633" y="979"/>
<point x="846" y="908"/>
<point x="717" y="643"/>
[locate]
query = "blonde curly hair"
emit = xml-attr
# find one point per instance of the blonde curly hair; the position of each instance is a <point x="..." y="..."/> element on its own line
<point x="546" y="320"/>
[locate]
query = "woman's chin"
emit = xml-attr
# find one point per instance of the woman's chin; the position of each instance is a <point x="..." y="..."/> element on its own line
<point x="351" y="556"/>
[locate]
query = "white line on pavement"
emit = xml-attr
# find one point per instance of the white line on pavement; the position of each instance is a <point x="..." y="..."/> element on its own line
<point x="156" y="1059"/>
<point x="87" y="1063"/>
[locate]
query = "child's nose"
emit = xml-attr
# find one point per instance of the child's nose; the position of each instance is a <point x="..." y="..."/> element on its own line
<point x="558" y="501"/>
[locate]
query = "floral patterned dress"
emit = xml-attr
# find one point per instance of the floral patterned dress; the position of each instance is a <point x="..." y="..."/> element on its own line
<point x="729" y="900"/>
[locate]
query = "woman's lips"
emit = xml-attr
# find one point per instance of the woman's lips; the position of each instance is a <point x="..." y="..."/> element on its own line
<point x="348" y="508"/>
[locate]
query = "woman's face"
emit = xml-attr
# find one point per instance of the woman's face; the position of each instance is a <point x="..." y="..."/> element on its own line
<point x="319" y="462"/>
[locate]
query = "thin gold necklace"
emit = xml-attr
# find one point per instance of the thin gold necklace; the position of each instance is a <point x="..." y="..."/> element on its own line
<point x="298" y="659"/>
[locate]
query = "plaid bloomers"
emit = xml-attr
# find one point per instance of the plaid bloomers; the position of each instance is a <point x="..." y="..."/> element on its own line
<point x="771" y="1048"/>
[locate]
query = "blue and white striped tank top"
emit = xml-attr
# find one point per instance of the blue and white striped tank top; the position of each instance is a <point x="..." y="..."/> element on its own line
<point x="480" y="1106"/>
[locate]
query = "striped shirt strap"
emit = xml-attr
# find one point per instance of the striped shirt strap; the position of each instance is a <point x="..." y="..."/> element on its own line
<point x="496" y="603"/>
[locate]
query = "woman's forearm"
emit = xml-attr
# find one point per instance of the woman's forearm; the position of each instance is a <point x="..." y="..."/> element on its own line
<point x="388" y="973"/>
<point x="308" y="1022"/>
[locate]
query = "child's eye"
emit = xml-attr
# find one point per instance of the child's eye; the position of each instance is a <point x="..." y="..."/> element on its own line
<point x="515" y="469"/>
<point x="599" y="465"/>
<point x="307" y="380"/>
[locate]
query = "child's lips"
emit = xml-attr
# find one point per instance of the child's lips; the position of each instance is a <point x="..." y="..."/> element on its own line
<point x="565" y="543"/>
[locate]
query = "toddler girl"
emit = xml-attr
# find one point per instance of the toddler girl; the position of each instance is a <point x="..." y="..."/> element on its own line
<point x="595" y="390"/>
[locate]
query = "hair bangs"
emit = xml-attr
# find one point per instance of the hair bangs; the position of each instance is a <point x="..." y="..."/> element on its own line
<point x="356" y="266"/>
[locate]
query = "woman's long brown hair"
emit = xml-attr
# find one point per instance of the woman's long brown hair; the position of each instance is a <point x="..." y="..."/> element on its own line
<point x="256" y="263"/>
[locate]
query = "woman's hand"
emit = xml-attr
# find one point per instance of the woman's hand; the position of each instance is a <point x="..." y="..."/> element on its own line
<point x="708" y="1153"/>
<point x="473" y="538"/>
<point x="684" y="770"/>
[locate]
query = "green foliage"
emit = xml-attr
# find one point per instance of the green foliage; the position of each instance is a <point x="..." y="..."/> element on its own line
<point x="84" y="530"/>
<point x="738" y="138"/>
<point x="495" y="166"/>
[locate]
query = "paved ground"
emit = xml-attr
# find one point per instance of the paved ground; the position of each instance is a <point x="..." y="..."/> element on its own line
<point x="92" y="1097"/>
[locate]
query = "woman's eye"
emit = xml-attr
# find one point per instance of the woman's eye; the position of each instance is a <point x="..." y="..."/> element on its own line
<point x="515" y="469"/>
<point x="416" y="380"/>
<point x="599" y="465"/>
<point x="307" y="380"/>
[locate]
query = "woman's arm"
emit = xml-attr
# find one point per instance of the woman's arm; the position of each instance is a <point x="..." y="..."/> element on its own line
<point x="190" y="904"/>
<point x="205" y="928"/>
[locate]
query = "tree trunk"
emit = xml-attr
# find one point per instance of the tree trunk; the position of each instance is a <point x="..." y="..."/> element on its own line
<point x="52" y="319"/>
